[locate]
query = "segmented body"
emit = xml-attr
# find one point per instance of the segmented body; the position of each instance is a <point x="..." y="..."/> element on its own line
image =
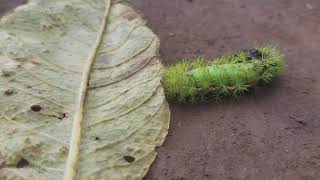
<point x="198" y="80"/>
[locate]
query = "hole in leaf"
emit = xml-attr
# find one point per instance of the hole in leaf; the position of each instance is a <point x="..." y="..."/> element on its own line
<point x="97" y="138"/>
<point x="129" y="159"/>
<point x="22" y="163"/>
<point x="36" y="108"/>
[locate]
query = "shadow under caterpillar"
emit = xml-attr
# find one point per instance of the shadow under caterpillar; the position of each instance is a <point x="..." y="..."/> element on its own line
<point x="198" y="80"/>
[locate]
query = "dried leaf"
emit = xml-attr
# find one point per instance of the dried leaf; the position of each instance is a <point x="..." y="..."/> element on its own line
<point x="80" y="92"/>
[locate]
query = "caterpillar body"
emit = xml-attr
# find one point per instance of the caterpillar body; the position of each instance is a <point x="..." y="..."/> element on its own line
<point x="231" y="75"/>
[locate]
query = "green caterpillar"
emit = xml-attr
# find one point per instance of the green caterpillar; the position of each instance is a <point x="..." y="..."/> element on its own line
<point x="231" y="75"/>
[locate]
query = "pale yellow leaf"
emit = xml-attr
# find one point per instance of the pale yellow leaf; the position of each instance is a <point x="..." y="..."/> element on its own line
<point x="80" y="92"/>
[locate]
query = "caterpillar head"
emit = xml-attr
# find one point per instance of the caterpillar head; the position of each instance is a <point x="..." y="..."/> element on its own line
<point x="253" y="54"/>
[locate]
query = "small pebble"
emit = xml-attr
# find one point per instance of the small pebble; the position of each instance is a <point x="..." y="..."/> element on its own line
<point x="172" y="34"/>
<point x="309" y="6"/>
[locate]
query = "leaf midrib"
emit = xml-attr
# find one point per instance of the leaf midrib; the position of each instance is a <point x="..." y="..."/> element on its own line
<point x="74" y="149"/>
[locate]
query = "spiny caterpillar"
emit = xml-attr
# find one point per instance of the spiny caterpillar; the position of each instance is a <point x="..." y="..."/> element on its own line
<point x="231" y="75"/>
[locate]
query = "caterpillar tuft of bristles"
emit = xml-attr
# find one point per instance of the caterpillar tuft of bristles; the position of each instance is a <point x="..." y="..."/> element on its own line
<point x="199" y="80"/>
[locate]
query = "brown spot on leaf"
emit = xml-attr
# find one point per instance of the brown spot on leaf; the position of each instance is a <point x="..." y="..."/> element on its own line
<point x="2" y="164"/>
<point x="6" y="73"/>
<point x="129" y="159"/>
<point x="36" y="108"/>
<point x="54" y="23"/>
<point x="22" y="163"/>
<point x="9" y="92"/>
<point x="130" y="16"/>
<point x="63" y="115"/>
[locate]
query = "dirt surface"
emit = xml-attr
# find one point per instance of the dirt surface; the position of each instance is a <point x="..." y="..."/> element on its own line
<point x="271" y="135"/>
<point x="7" y="5"/>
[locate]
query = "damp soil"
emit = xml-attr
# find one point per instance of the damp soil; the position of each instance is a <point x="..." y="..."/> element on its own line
<point x="273" y="134"/>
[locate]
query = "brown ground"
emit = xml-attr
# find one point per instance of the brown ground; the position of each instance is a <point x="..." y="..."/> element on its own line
<point x="271" y="135"/>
